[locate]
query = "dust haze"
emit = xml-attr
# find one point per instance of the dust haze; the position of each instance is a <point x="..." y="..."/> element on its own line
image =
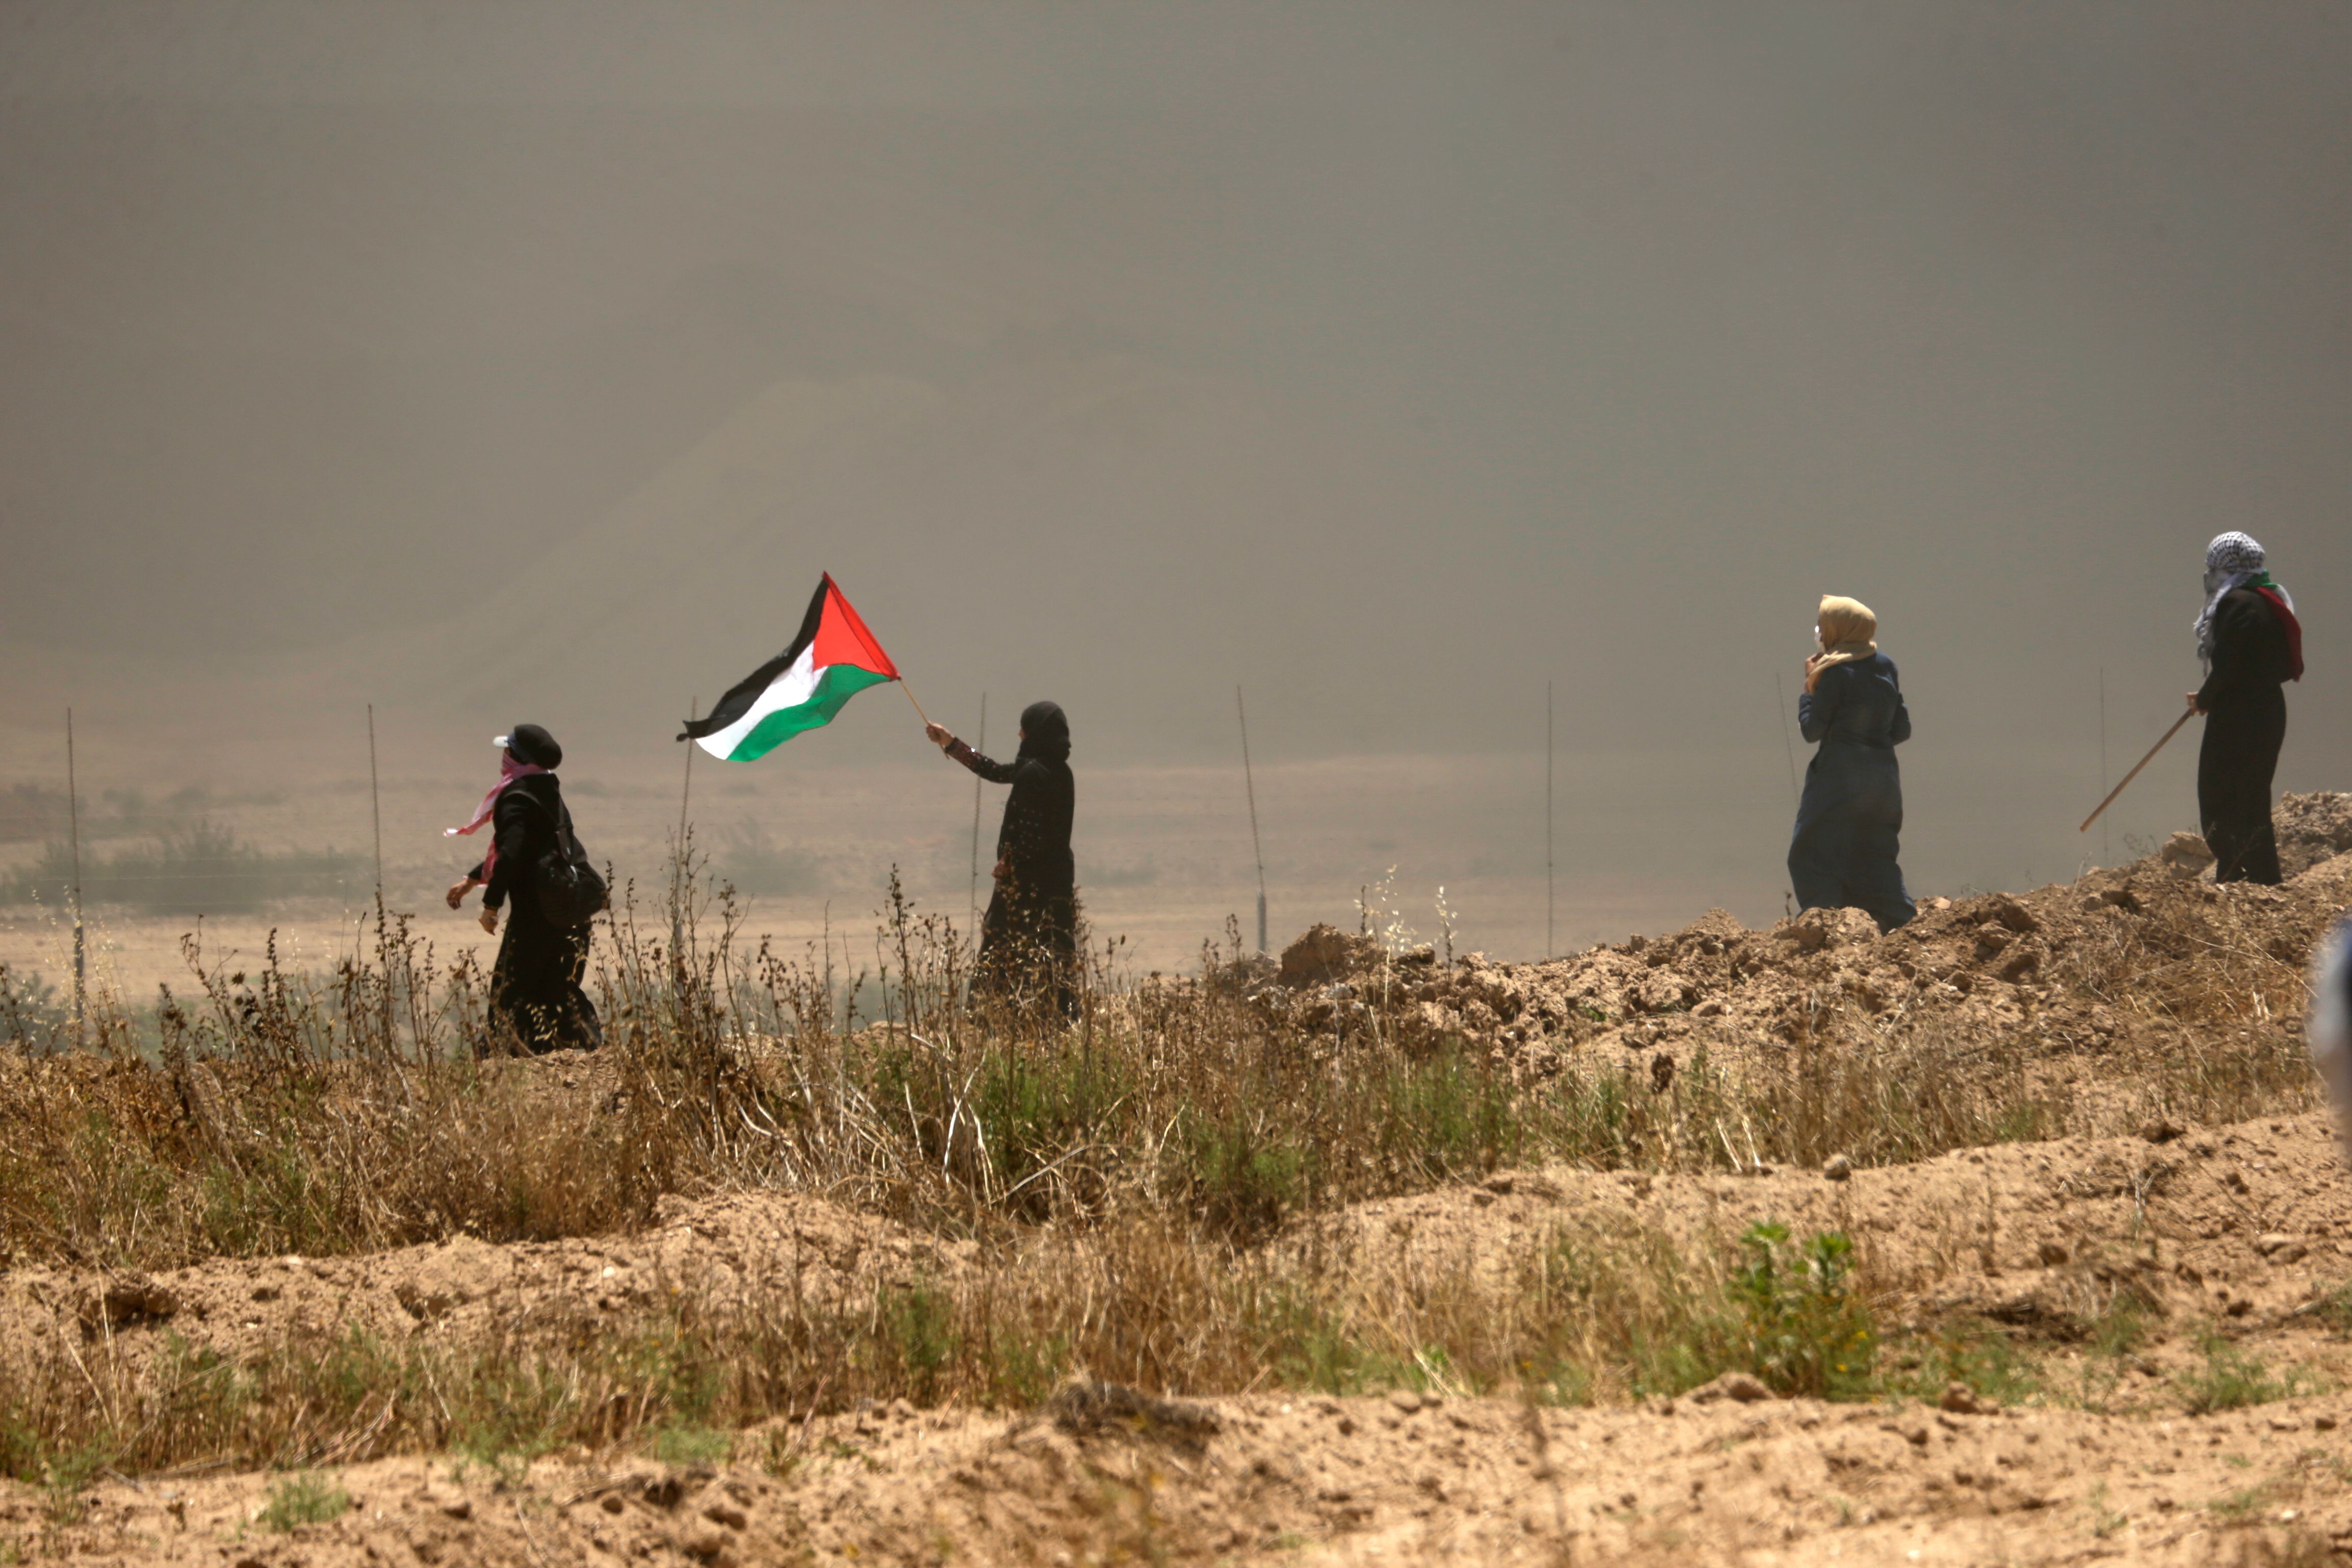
<point x="1393" y="361"/>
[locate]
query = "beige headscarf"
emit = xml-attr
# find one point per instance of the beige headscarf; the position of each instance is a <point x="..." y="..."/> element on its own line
<point x="1846" y="628"/>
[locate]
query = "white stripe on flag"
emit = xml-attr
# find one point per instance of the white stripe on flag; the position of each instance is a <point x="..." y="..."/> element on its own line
<point x="790" y="689"/>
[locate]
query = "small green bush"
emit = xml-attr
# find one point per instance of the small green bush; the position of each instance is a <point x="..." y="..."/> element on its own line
<point x="1807" y="1332"/>
<point x="689" y="1445"/>
<point x="301" y="1499"/>
<point x="2233" y="1378"/>
<point x="917" y="1334"/>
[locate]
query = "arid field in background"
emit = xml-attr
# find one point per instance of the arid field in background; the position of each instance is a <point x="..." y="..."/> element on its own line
<point x="2017" y="1236"/>
<point x="1164" y="855"/>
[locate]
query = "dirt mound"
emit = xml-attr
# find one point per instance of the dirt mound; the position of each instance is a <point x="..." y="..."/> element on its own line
<point x="2248" y="1225"/>
<point x="1409" y="1477"/>
<point x="2312" y="828"/>
<point x="733" y="1247"/>
<point x="2051" y="964"/>
<point x="2143" y="1278"/>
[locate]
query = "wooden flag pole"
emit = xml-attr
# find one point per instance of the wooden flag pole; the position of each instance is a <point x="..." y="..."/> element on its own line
<point x="678" y="864"/>
<point x="910" y="697"/>
<point x="2184" y="719"/>
<point x="685" y="790"/>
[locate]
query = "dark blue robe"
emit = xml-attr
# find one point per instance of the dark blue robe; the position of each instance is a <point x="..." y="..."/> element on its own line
<point x="1850" y="822"/>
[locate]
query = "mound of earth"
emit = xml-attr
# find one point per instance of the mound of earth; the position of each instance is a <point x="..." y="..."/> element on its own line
<point x="2312" y="828"/>
<point x="726" y="1249"/>
<point x="1103" y="1476"/>
<point x="1988" y="966"/>
<point x="2227" y="1241"/>
<point x="2232" y="1231"/>
<point x="2249" y="1226"/>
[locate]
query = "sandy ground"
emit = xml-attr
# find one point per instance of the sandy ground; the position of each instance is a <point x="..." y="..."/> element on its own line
<point x="2237" y="1231"/>
<point x="2235" y="1236"/>
<point x="1270" y="1481"/>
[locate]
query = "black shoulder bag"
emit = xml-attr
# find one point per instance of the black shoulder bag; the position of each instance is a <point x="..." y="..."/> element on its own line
<point x="568" y="890"/>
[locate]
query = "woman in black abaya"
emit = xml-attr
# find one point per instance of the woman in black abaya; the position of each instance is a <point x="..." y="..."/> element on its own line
<point x="2253" y="645"/>
<point x="537" y="1003"/>
<point x="1029" y="938"/>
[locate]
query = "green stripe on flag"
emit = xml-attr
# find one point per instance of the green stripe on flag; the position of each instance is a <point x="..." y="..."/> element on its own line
<point x="836" y="686"/>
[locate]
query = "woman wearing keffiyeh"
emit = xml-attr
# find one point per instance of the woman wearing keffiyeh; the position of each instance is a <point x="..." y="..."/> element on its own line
<point x="2252" y="644"/>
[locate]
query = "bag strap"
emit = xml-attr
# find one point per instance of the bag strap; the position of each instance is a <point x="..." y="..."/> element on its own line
<point x="563" y="824"/>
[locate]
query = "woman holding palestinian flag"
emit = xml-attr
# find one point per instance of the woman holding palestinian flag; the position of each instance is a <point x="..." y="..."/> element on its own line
<point x="1028" y="944"/>
<point x="2251" y="646"/>
<point x="1029" y="938"/>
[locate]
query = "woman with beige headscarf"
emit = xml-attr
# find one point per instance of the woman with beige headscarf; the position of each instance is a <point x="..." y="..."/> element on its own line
<point x="1850" y="822"/>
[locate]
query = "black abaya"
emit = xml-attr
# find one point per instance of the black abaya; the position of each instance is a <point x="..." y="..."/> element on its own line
<point x="2245" y="726"/>
<point x="1850" y="822"/>
<point x="537" y="1002"/>
<point x="1028" y="938"/>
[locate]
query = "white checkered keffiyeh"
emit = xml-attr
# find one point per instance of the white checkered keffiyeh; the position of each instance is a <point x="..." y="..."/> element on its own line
<point x="2230" y="561"/>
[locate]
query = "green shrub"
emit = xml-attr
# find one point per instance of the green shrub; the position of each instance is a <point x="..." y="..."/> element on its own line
<point x="2233" y="1378"/>
<point x="917" y="1334"/>
<point x="1806" y="1332"/>
<point x="692" y="1445"/>
<point x="301" y="1499"/>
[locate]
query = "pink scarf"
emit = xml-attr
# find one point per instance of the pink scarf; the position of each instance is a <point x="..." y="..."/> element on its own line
<point x="510" y="768"/>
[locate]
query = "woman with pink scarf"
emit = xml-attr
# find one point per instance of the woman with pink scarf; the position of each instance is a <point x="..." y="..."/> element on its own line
<point x="537" y="1003"/>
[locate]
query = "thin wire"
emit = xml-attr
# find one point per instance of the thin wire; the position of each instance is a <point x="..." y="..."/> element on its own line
<point x="1548" y="800"/>
<point x="973" y="913"/>
<point x="375" y="803"/>
<point x="1780" y="684"/>
<point x="677" y="866"/>
<point x="1249" y="783"/>
<point x="73" y="817"/>
<point x="2107" y="854"/>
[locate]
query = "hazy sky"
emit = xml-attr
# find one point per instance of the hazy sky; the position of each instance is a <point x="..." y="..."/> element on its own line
<point x="1395" y="359"/>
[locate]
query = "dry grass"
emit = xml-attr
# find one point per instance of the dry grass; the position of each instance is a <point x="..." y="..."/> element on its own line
<point x="1609" y="1314"/>
<point x="1166" y="1133"/>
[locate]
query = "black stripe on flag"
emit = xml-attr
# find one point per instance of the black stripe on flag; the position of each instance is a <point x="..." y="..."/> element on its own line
<point x="746" y="691"/>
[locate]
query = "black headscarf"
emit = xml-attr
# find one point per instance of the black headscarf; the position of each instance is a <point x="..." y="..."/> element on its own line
<point x="1045" y="733"/>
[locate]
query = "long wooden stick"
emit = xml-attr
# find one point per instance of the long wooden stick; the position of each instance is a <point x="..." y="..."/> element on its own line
<point x="2184" y="719"/>
<point x="910" y="697"/>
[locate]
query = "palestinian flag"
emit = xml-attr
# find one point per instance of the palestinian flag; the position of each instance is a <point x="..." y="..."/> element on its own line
<point x="834" y="658"/>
